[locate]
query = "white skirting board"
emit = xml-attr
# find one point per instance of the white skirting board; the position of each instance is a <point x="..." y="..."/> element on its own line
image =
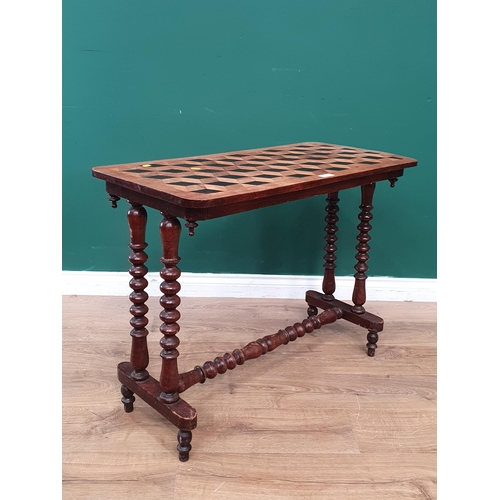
<point x="250" y="286"/>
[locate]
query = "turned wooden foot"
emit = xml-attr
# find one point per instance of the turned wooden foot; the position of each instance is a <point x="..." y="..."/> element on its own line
<point x="312" y="311"/>
<point x="372" y="338"/>
<point x="184" y="446"/>
<point x="128" y="399"/>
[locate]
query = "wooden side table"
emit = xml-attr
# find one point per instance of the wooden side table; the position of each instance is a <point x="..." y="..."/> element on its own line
<point x="205" y="187"/>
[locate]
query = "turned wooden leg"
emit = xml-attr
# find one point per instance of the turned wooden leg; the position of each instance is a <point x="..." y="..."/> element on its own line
<point x="372" y="338"/>
<point x="365" y="216"/>
<point x="330" y="248"/>
<point x="184" y="446"/>
<point x="170" y="230"/>
<point x="127" y="399"/>
<point x="139" y="357"/>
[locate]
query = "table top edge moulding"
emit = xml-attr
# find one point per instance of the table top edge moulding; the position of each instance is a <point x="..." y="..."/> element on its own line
<point x="207" y="186"/>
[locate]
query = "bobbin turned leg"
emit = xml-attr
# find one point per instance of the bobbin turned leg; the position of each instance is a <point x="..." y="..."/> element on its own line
<point x="330" y="248"/>
<point x="139" y="357"/>
<point x="356" y="313"/>
<point x="162" y="395"/>
<point x="170" y="230"/>
<point x="359" y="292"/>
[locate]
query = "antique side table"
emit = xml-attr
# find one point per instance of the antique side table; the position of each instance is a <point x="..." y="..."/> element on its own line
<point x="204" y="187"/>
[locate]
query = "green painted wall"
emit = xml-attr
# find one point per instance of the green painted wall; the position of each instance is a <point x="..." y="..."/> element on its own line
<point x="165" y="79"/>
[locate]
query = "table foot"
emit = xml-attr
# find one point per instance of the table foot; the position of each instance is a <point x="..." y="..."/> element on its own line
<point x="180" y="413"/>
<point x="372" y="338"/>
<point x="127" y="399"/>
<point x="312" y="311"/>
<point x="184" y="446"/>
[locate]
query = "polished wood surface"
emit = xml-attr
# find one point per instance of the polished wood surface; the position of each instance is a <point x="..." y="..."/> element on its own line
<point x="203" y="187"/>
<point x="170" y="231"/>
<point x="139" y="354"/>
<point x="330" y="248"/>
<point x="200" y="188"/>
<point x="315" y="419"/>
<point x="364" y="227"/>
<point x="255" y="349"/>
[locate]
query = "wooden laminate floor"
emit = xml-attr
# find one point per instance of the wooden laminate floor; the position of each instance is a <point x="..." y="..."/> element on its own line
<point x="315" y="419"/>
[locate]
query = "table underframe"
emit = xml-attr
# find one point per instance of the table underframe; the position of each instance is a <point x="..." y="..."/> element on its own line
<point x="164" y="394"/>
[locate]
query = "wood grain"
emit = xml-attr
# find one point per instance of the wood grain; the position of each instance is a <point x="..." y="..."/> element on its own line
<point x="205" y="187"/>
<point x="222" y="177"/>
<point x="371" y="434"/>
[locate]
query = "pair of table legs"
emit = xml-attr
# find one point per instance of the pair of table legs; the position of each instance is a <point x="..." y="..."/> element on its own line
<point x="164" y="394"/>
